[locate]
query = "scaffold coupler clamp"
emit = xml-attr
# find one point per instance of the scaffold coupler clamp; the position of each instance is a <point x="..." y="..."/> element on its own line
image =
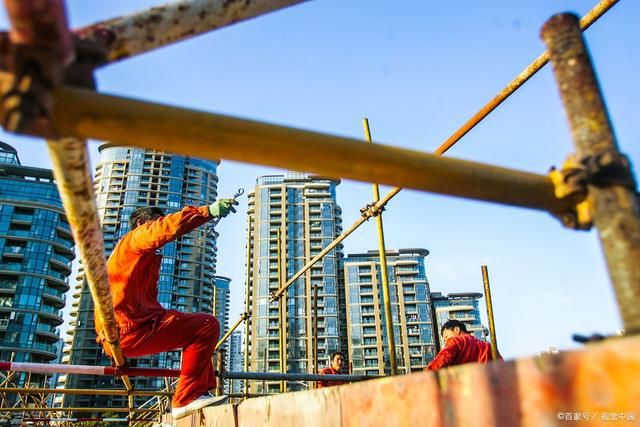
<point x="607" y="168"/>
<point x="26" y="104"/>
<point x="371" y="210"/>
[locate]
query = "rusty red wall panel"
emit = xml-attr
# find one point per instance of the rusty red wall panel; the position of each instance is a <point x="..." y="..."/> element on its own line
<point x="600" y="382"/>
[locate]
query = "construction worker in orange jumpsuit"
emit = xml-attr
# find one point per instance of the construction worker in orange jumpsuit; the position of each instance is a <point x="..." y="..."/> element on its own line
<point x="337" y="361"/>
<point x="145" y="327"/>
<point x="461" y="347"/>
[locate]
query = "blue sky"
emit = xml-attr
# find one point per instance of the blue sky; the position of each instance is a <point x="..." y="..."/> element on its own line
<point x="418" y="70"/>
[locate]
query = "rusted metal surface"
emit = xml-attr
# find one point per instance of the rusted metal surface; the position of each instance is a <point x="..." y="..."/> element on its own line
<point x="384" y="275"/>
<point x="221" y="369"/>
<point x="489" y="303"/>
<point x="42" y="27"/>
<point x="160" y="26"/>
<point x="589" y="18"/>
<point x="612" y="192"/>
<point x="71" y="170"/>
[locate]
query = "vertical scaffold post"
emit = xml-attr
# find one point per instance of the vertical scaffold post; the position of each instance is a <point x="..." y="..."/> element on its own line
<point x="489" y="303"/>
<point x="220" y="367"/>
<point x="315" y="329"/>
<point x="281" y="317"/>
<point x="612" y="196"/>
<point x="386" y="295"/>
<point x="247" y="310"/>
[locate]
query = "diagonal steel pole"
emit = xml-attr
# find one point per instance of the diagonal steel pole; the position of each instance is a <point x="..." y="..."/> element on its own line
<point x="587" y="20"/>
<point x="160" y="26"/>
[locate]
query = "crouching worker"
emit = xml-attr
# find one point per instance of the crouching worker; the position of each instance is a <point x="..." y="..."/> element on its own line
<point x="460" y="347"/>
<point x="145" y="327"/>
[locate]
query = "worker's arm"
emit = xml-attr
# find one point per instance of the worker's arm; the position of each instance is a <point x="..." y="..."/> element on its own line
<point x="447" y="355"/>
<point x="155" y="234"/>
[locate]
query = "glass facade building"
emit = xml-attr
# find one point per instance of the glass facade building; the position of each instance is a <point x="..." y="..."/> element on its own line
<point x="37" y="251"/>
<point x="460" y="306"/>
<point x="128" y="178"/>
<point x="221" y="303"/>
<point x="410" y="309"/>
<point x="304" y="208"/>
<point x="236" y="362"/>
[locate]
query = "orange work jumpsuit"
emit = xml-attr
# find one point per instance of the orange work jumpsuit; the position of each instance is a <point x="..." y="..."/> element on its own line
<point x="145" y="326"/>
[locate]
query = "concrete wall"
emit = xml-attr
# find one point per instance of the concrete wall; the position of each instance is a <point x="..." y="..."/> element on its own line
<point x="600" y="385"/>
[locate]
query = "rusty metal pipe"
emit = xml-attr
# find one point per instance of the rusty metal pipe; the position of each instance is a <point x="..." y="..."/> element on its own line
<point x="614" y="205"/>
<point x="41" y="25"/>
<point x="160" y="26"/>
<point x="71" y="169"/>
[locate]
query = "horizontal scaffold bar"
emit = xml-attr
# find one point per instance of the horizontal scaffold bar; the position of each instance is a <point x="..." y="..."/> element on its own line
<point x="96" y="392"/>
<point x="79" y="409"/>
<point x="52" y="368"/>
<point x="277" y="376"/>
<point x="89" y="115"/>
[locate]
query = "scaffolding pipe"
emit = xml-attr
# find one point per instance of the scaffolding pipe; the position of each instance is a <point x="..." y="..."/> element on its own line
<point x="315" y="329"/>
<point x="80" y="409"/>
<point x="489" y="304"/>
<point x="589" y="18"/>
<point x="71" y="169"/>
<point x="382" y="252"/>
<point x="52" y="368"/>
<point x="586" y="21"/>
<point x="83" y="420"/>
<point x="225" y="337"/>
<point x="247" y="309"/>
<point x="97" y="392"/>
<point x="612" y="192"/>
<point x="282" y="327"/>
<point x="159" y="26"/>
<point x="86" y="114"/>
<point x="41" y="26"/>
<point x="277" y="376"/>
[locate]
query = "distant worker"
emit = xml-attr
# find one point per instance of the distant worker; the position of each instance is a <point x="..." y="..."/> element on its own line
<point x="145" y="327"/>
<point x="337" y="362"/>
<point x="460" y="347"/>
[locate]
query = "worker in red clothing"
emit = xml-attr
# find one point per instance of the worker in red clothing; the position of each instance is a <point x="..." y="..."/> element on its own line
<point x="460" y="347"/>
<point x="145" y="327"/>
<point x="337" y="362"/>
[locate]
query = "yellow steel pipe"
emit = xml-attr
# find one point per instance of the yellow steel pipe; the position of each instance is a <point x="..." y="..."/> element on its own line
<point x="86" y="114"/>
<point x="489" y="304"/>
<point x="282" y="329"/>
<point x="243" y="316"/>
<point x="247" y="309"/>
<point x="537" y="64"/>
<point x="382" y="251"/>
